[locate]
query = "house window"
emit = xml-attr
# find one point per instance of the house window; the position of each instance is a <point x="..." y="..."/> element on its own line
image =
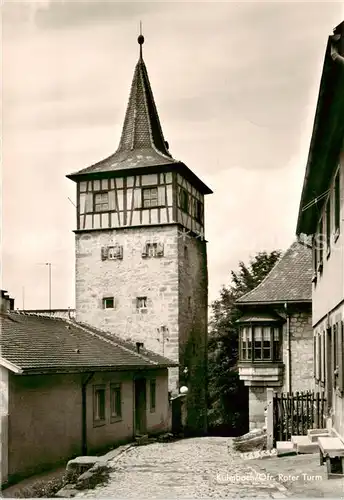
<point x="315" y="259"/>
<point x="246" y="343"/>
<point x="328" y="225"/>
<point x="260" y="343"/>
<point x="184" y="200"/>
<point x="99" y="404"/>
<point x="153" y="250"/>
<point x="337" y="204"/>
<point x="141" y="304"/>
<point x="101" y="202"/>
<point x="108" y="303"/>
<point x="150" y="197"/>
<point x="115" y="402"/>
<point x="152" y="395"/>
<point x="320" y="244"/>
<point x="198" y="211"/>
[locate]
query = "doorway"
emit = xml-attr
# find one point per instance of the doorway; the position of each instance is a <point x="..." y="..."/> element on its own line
<point x="140" y="406"/>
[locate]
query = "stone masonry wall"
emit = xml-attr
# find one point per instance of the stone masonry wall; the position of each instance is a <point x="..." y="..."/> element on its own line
<point x="193" y="307"/>
<point x="257" y="404"/>
<point x="301" y="336"/>
<point x="126" y="279"/>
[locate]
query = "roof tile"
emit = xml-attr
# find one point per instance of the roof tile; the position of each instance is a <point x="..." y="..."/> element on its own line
<point x="289" y="280"/>
<point x="46" y="344"/>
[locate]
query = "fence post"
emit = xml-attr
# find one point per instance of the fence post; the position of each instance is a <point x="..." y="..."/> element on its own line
<point x="270" y="418"/>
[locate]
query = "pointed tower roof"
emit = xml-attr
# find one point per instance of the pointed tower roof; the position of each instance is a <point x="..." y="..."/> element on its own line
<point x="142" y="142"/>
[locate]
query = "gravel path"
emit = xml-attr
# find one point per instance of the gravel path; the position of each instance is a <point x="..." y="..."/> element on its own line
<point x="190" y="468"/>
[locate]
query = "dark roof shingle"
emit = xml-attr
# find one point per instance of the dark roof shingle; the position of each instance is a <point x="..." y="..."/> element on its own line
<point x="43" y="344"/>
<point x="289" y="280"/>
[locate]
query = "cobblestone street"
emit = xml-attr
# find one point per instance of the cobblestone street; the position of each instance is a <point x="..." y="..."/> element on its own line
<point x="190" y="468"/>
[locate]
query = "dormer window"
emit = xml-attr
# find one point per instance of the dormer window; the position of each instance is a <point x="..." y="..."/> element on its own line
<point x="101" y="202"/>
<point x="150" y="197"/>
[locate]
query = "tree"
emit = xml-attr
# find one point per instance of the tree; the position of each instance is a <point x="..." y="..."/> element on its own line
<point x="224" y="385"/>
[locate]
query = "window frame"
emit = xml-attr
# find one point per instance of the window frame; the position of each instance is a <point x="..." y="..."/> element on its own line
<point x="143" y="199"/>
<point x="328" y="215"/>
<point x="141" y="308"/>
<point x="184" y="200"/>
<point x="104" y="301"/>
<point x="248" y="348"/>
<point x="98" y="419"/>
<point x="95" y="204"/>
<point x="198" y="211"/>
<point x="116" y="402"/>
<point x="337" y="207"/>
<point x="320" y="244"/>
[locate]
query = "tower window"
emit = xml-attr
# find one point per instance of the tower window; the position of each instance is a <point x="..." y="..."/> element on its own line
<point x="101" y="202"/>
<point x="153" y="250"/>
<point x="198" y="211"/>
<point x="141" y="303"/>
<point x="183" y="200"/>
<point x="150" y="197"/>
<point x="108" y="302"/>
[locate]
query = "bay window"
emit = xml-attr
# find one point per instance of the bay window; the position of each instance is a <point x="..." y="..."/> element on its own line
<point x="260" y="342"/>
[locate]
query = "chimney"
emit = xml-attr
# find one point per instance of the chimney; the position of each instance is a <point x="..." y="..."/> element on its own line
<point x="6" y="302"/>
<point x="138" y="346"/>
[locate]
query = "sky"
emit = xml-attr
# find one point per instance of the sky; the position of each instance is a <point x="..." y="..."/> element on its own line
<point x="235" y="86"/>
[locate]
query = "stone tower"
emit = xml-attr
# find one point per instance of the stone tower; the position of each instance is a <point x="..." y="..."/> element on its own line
<point x="141" y="261"/>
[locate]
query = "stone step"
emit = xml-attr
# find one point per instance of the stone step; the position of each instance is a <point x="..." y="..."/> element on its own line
<point x="314" y="434"/>
<point x="303" y="444"/>
<point x="285" y="448"/>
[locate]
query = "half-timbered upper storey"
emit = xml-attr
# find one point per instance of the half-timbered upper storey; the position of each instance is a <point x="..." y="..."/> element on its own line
<point x="141" y="183"/>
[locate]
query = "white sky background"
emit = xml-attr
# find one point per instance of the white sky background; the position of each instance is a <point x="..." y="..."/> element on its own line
<point x="235" y="86"/>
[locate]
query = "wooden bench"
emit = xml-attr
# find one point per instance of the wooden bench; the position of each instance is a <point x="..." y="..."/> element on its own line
<point x="332" y="452"/>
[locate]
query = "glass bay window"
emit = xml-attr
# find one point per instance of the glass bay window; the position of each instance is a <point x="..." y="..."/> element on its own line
<point x="260" y="342"/>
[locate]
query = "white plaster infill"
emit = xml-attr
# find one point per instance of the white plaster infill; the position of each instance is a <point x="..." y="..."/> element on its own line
<point x="261" y="375"/>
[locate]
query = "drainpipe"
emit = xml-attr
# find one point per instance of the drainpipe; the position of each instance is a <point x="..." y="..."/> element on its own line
<point x="288" y="347"/>
<point x="84" y="413"/>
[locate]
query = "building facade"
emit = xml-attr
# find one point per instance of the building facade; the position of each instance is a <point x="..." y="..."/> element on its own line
<point x="93" y="393"/>
<point x="321" y="217"/>
<point x="275" y="332"/>
<point x="141" y="259"/>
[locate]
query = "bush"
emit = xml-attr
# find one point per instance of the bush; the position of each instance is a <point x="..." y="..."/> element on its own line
<point x="44" y="488"/>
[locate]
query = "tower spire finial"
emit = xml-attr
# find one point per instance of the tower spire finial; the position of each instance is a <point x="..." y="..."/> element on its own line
<point x="141" y="39"/>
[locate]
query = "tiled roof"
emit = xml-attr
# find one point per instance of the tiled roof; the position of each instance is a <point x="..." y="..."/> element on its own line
<point x="256" y="317"/>
<point x="289" y="280"/>
<point x="142" y="142"/>
<point x="42" y="344"/>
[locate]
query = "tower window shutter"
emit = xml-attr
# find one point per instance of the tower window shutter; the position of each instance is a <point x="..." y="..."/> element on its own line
<point x="89" y="203"/>
<point x="160" y="249"/>
<point x="145" y="250"/>
<point x="104" y="253"/>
